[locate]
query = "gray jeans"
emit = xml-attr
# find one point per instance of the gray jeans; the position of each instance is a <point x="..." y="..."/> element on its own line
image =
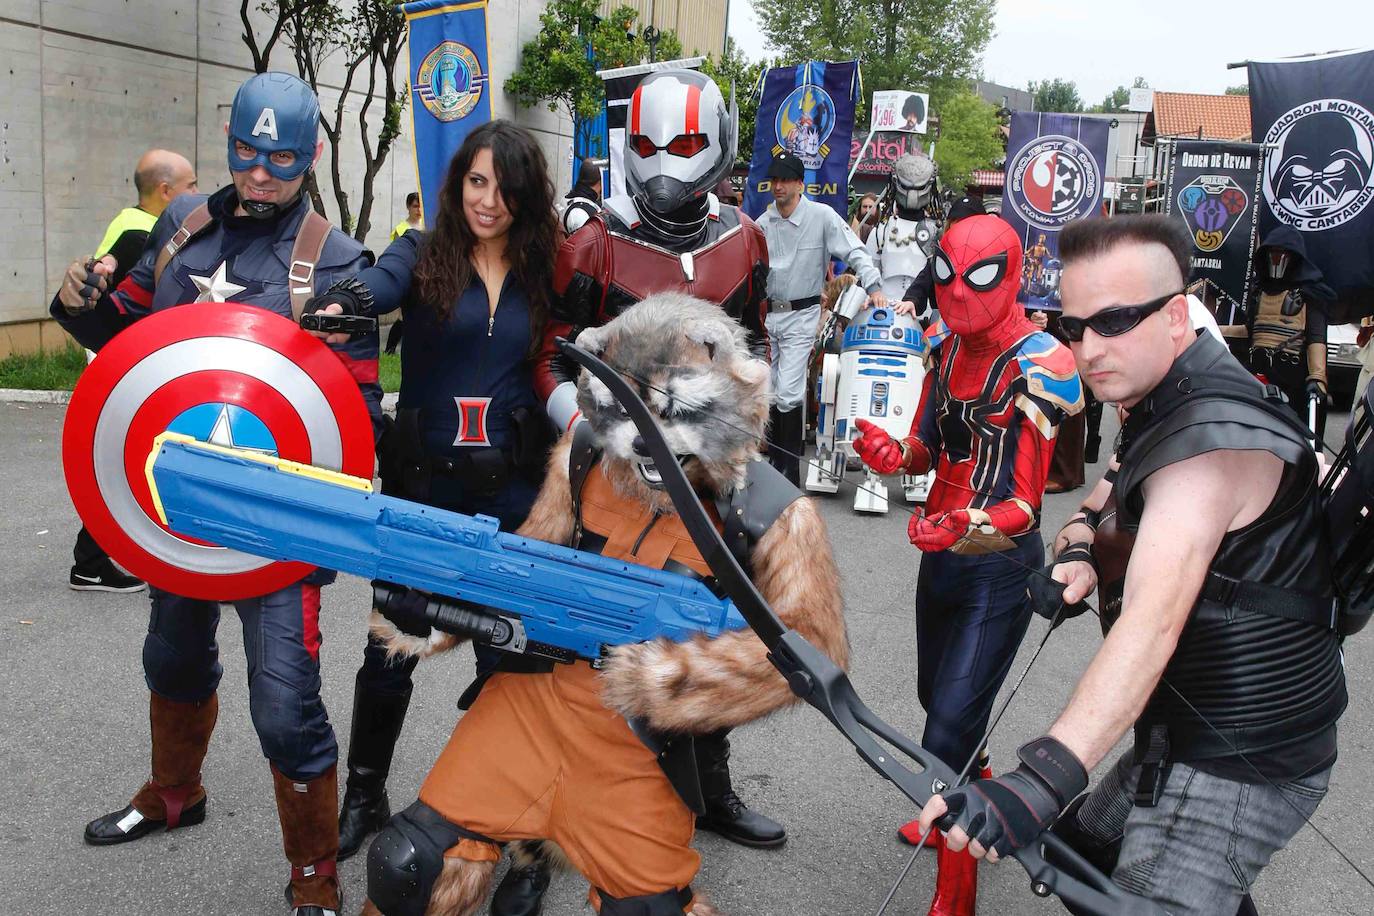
<point x="1202" y="847"/>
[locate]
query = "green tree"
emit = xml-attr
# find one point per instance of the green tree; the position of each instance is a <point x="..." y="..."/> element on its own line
<point x="934" y="45"/>
<point x="1055" y="95"/>
<point x="733" y="68"/>
<point x="369" y="37"/>
<point x="1242" y="89"/>
<point x="1119" y="97"/>
<point x="555" y="68"/>
<point x="969" y="139"/>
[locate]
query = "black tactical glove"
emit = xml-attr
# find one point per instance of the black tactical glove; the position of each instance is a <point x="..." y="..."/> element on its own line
<point x="1047" y="595"/>
<point x="404" y="607"/>
<point x="1007" y="813"/>
<point x="351" y="294"/>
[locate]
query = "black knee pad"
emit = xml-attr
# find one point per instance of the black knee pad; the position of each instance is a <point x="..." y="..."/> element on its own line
<point x="664" y="903"/>
<point x="407" y="857"/>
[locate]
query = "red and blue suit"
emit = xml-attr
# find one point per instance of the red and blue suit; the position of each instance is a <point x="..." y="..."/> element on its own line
<point x="986" y="422"/>
<point x="241" y="259"/>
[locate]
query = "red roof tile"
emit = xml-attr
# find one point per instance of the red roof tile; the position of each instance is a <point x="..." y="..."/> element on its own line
<point x="1184" y="114"/>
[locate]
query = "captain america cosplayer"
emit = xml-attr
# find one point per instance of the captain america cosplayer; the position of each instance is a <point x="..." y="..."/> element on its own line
<point x="986" y="423"/>
<point x="257" y="242"/>
<point x="669" y="233"/>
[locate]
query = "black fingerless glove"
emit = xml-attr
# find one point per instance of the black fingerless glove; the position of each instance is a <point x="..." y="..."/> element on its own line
<point x="1008" y="813"/>
<point x="1047" y="595"/>
<point x="351" y="294"/>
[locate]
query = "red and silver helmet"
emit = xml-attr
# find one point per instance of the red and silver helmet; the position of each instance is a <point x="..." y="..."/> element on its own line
<point x="680" y="139"/>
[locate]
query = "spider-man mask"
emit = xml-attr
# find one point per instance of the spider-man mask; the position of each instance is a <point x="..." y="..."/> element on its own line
<point x="977" y="268"/>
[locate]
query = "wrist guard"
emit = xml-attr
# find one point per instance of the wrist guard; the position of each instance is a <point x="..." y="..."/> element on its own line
<point x="350" y="293"/>
<point x="1009" y="812"/>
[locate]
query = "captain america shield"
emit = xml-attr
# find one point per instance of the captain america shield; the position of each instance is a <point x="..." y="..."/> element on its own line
<point x="222" y="372"/>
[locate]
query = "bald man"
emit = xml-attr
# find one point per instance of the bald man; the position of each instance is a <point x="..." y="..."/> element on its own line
<point x="159" y="176"/>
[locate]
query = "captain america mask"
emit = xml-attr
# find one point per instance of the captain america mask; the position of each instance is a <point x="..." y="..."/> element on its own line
<point x="275" y="119"/>
<point x="977" y="270"/>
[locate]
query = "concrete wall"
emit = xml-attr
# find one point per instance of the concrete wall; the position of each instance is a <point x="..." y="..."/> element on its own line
<point x="77" y="111"/>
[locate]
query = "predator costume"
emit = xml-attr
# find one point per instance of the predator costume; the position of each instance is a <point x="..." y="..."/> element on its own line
<point x="986" y="423"/>
<point x="901" y="245"/>
<point x="200" y="251"/>
<point x="1259" y="659"/>
<point x="602" y="762"/>
<point x="670" y="233"/>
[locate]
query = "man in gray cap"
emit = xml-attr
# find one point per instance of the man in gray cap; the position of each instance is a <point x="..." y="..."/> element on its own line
<point x="802" y="236"/>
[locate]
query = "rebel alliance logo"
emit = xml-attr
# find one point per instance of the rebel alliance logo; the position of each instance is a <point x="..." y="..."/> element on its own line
<point x="1320" y="169"/>
<point x="1054" y="180"/>
<point x="450" y="81"/>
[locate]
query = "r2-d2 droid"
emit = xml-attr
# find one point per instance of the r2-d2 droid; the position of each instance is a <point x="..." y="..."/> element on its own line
<point x="876" y="376"/>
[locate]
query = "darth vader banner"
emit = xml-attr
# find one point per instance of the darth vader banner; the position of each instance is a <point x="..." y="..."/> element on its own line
<point x="1315" y="116"/>
<point x="1213" y="188"/>
<point x="1055" y="166"/>
<point x="808" y="110"/>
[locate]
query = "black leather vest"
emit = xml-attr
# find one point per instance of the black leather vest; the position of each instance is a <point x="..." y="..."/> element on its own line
<point x="1267" y="688"/>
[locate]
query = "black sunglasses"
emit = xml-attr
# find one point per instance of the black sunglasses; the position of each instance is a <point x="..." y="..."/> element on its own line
<point x="1114" y="321"/>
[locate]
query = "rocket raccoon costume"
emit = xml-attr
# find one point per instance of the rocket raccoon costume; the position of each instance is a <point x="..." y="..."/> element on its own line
<point x="584" y="759"/>
<point x="669" y="233"/>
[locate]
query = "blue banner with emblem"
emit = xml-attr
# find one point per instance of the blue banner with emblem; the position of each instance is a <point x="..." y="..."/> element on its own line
<point x="1055" y="169"/>
<point x="1315" y="117"/>
<point x="808" y="110"/>
<point x="450" y="86"/>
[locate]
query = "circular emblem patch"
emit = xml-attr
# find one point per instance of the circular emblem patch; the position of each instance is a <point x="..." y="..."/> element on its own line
<point x="1320" y="169"/>
<point x="804" y="122"/>
<point x="227" y="373"/>
<point x="1054" y="181"/>
<point x="450" y="81"/>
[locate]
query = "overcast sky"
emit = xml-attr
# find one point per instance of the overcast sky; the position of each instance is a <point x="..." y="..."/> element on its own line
<point x="1177" y="45"/>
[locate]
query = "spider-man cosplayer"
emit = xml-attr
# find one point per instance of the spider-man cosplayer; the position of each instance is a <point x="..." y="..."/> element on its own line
<point x="669" y="233"/>
<point x="986" y="422"/>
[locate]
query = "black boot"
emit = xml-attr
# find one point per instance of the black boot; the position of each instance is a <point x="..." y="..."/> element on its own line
<point x="725" y="813"/>
<point x="785" y="431"/>
<point x="377" y="720"/>
<point x="521" y="891"/>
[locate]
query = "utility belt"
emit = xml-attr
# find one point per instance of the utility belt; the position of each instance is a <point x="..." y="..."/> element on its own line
<point x="1266" y="356"/>
<point x="793" y="305"/>
<point x="409" y="470"/>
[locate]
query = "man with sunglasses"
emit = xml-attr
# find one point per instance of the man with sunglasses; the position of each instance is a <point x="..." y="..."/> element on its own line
<point x="989" y="411"/>
<point x="1223" y="653"/>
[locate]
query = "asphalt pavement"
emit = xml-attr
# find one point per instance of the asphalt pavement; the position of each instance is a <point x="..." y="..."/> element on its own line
<point x="74" y="742"/>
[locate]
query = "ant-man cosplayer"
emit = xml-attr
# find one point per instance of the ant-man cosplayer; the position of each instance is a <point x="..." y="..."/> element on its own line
<point x="987" y="419"/>
<point x="669" y="233"/>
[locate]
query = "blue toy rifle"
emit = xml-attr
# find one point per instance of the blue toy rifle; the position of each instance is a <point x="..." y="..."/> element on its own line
<point x="561" y="603"/>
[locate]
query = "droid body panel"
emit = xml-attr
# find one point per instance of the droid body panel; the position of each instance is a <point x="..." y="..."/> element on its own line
<point x="876" y="376"/>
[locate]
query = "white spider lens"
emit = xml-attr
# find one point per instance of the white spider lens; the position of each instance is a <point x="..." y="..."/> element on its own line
<point x="983" y="277"/>
<point x="943" y="271"/>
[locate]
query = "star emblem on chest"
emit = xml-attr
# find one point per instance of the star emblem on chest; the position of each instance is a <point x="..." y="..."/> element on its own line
<point x="216" y="287"/>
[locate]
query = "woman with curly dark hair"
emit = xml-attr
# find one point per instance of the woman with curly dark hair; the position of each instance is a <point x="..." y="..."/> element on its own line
<point x="470" y="433"/>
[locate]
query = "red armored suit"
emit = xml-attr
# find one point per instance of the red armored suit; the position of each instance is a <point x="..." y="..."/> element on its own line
<point x="987" y="420"/>
<point x="617" y="258"/>
<point x="669" y="233"/>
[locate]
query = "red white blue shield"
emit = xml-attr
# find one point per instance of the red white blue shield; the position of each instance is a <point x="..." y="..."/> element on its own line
<point x="222" y="372"/>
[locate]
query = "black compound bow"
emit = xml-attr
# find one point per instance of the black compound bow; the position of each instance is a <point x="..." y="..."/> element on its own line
<point x="1053" y="866"/>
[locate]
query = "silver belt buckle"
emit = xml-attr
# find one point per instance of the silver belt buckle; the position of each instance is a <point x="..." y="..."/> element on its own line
<point x="782" y="305"/>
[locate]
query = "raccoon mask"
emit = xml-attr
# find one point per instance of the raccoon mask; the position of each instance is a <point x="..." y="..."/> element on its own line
<point x="690" y="364"/>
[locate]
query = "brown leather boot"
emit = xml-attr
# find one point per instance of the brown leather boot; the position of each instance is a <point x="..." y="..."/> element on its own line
<point x="956" y="882"/>
<point x="309" y="813"/>
<point x="173" y="797"/>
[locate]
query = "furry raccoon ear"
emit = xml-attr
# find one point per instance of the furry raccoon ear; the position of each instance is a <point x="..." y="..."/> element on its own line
<point x="591" y="340"/>
<point x="713" y="335"/>
<point x="754" y="372"/>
